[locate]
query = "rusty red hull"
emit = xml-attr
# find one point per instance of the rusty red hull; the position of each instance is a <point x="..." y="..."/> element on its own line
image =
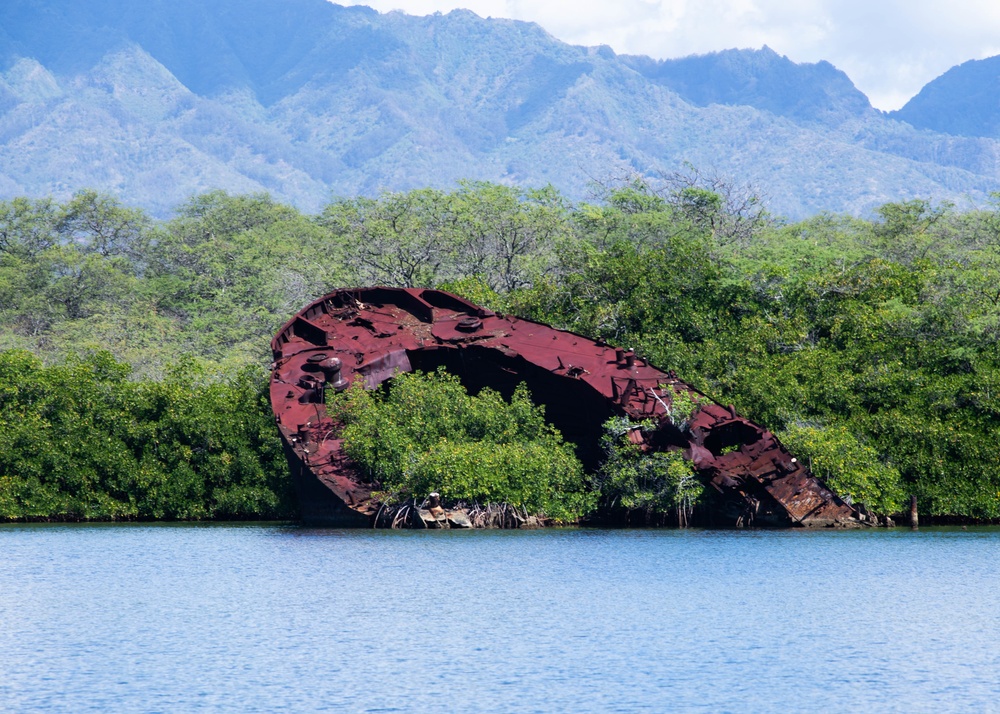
<point x="372" y="333"/>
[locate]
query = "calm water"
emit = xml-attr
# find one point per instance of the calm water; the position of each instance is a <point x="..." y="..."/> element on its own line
<point x="138" y="618"/>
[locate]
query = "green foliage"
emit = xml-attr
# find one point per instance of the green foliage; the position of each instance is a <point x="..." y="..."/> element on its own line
<point x="214" y="282"/>
<point x="884" y="330"/>
<point x="83" y="441"/>
<point x="428" y="434"/>
<point x="28" y="226"/>
<point x="395" y="239"/>
<point x="851" y="468"/>
<point x="887" y="328"/>
<point x="683" y="405"/>
<point x="655" y="483"/>
<point x="500" y="236"/>
<point x="100" y="224"/>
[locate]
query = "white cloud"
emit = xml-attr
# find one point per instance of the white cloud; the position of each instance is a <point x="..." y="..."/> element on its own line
<point x="889" y="48"/>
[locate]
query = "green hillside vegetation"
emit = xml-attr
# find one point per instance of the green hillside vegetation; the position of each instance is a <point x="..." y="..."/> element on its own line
<point x="869" y="345"/>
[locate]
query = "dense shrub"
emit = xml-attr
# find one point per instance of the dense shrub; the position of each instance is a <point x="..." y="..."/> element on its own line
<point x="426" y="433"/>
<point x="83" y="441"/>
<point x="850" y="467"/>
<point x="654" y="484"/>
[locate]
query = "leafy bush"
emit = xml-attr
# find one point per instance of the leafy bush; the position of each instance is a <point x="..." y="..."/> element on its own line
<point x="850" y="467"/>
<point x="683" y="405"/>
<point x="83" y="441"/>
<point x="656" y="483"/>
<point x="426" y="433"/>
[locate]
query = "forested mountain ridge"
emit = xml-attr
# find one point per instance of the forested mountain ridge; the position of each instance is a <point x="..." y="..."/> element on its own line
<point x="306" y="99"/>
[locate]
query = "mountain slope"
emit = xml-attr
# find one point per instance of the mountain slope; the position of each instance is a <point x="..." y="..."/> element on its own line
<point x="964" y="101"/>
<point x="306" y="100"/>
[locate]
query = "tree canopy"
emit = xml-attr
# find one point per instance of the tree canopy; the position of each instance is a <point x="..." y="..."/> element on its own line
<point x="869" y="344"/>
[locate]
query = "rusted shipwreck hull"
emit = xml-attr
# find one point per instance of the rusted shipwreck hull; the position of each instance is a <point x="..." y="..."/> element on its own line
<point x="372" y="333"/>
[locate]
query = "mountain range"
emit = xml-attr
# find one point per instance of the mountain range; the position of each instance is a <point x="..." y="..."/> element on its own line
<point x="308" y="100"/>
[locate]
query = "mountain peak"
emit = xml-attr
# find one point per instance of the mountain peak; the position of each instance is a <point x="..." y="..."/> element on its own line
<point x="29" y="81"/>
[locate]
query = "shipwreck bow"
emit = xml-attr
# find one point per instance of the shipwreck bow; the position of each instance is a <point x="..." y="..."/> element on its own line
<point x="371" y="333"/>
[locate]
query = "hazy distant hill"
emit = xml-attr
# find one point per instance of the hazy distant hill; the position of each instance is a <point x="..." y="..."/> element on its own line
<point x="964" y="101"/>
<point x="157" y="100"/>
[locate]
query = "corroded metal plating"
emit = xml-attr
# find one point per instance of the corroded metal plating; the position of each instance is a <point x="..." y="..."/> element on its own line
<point x="373" y="333"/>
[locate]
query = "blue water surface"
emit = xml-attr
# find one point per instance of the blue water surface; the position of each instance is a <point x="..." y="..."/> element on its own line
<point x="266" y="618"/>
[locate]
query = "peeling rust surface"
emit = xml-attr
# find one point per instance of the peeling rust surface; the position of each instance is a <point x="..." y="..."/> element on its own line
<point x="374" y="333"/>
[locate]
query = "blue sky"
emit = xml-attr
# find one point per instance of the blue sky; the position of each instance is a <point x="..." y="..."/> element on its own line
<point x="889" y="48"/>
